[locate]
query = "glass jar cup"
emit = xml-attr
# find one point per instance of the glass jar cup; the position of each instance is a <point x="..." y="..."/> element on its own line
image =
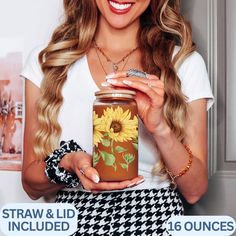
<point x="115" y="135"/>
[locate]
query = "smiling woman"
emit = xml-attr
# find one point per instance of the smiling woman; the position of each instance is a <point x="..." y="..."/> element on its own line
<point x="108" y="45"/>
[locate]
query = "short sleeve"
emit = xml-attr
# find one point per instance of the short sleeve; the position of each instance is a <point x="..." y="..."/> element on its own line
<point x="32" y="69"/>
<point x="194" y="79"/>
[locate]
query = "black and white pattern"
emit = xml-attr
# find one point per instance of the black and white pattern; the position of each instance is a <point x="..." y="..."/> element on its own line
<point x="134" y="212"/>
<point x="57" y="174"/>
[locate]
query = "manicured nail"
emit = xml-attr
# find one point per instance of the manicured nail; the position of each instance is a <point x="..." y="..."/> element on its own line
<point x="105" y="84"/>
<point x="95" y="179"/>
<point x="127" y="82"/>
<point x="110" y="76"/>
<point x="112" y="81"/>
<point x="130" y="185"/>
<point x="140" y="181"/>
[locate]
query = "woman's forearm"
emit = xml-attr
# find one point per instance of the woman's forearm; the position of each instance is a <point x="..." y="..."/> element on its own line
<point x="35" y="182"/>
<point x="194" y="182"/>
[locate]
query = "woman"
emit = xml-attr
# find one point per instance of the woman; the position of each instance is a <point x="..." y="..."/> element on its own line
<point x="93" y="49"/>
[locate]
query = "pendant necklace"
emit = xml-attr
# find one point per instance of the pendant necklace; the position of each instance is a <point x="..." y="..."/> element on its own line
<point x="115" y="65"/>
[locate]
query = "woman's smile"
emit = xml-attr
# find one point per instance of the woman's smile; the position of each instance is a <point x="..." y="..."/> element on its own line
<point x="120" y="14"/>
<point x="120" y="8"/>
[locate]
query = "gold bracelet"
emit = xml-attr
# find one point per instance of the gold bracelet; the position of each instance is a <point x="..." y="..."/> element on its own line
<point x="184" y="170"/>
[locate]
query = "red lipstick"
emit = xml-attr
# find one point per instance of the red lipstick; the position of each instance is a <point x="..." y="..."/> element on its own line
<point x="120" y="8"/>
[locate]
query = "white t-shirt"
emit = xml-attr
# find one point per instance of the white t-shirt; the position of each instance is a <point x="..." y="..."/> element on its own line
<point x="75" y="115"/>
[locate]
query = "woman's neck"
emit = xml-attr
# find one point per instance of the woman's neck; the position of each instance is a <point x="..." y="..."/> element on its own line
<point x="117" y="39"/>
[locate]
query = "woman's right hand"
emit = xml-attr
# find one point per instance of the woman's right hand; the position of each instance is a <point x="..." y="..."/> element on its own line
<point x="81" y="164"/>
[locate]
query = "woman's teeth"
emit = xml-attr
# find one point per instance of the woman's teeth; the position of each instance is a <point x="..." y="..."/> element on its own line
<point x="120" y="6"/>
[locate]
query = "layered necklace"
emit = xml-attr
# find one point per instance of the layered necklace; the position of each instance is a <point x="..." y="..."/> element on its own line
<point x="115" y="65"/>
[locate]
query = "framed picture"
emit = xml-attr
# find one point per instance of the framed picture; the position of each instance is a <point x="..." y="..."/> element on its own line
<point x="11" y="104"/>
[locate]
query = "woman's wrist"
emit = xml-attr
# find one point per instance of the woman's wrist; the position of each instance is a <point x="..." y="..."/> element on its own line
<point x="55" y="172"/>
<point x="66" y="162"/>
<point x="162" y="131"/>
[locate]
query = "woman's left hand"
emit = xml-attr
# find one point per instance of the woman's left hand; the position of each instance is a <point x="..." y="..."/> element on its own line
<point x="149" y="97"/>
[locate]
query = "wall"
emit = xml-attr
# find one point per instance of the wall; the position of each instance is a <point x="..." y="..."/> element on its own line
<point x="195" y="11"/>
<point x="31" y="21"/>
<point x="230" y="75"/>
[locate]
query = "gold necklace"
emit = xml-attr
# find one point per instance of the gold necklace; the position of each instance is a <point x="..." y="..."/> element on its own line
<point x="100" y="61"/>
<point x="115" y="66"/>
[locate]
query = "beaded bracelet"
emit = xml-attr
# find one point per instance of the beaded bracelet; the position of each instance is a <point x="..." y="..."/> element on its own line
<point x="57" y="174"/>
<point x="183" y="171"/>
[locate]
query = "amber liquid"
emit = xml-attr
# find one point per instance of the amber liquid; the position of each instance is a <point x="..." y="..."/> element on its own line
<point x="123" y="155"/>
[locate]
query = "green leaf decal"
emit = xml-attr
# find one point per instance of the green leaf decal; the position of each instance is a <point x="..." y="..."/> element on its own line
<point x="129" y="158"/>
<point x="120" y="149"/>
<point x="106" y="142"/>
<point x="135" y="145"/>
<point x="108" y="158"/>
<point x="106" y="134"/>
<point x="124" y="166"/>
<point x="96" y="158"/>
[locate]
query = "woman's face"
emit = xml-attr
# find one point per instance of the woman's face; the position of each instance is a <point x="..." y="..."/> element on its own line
<point x="121" y="13"/>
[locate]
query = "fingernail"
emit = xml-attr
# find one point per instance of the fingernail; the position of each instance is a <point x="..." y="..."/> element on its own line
<point x="140" y="181"/>
<point x="111" y="81"/>
<point x="130" y="185"/>
<point x="95" y="179"/>
<point x="110" y="76"/>
<point x="105" y="84"/>
<point x="127" y="82"/>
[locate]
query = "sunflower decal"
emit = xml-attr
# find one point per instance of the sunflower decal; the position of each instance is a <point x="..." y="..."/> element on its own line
<point x="97" y="135"/>
<point x="114" y="127"/>
<point x="119" y="125"/>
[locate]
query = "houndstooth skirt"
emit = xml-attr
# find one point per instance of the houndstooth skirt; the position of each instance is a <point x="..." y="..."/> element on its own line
<point x="134" y="212"/>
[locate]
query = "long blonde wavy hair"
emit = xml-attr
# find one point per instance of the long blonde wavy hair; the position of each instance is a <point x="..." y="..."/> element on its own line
<point x="162" y="28"/>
